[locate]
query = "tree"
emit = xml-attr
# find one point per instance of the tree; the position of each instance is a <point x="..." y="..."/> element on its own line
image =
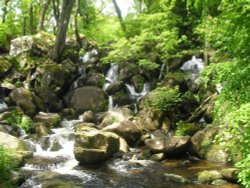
<point x="62" y="28"/>
<point x="42" y="16"/>
<point x="4" y="9"/>
<point x="119" y="15"/>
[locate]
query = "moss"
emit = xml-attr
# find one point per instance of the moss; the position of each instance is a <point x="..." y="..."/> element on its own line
<point x="184" y="129"/>
<point x="5" y="65"/>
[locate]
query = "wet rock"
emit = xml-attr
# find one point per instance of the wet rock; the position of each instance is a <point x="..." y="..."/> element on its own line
<point x="124" y="147"/>
<point x="27" y="100"/>
<point x="230" y="174"/>
<point x="115" y="87"/>
<point x="20" y="148"/>
<point x="138" y="81"/>
<point x="217" y="153"/>
<point x="40" y="129"/>
<point x="127" y="72"/>
<point x="126" y="129"/>
<point x="89" y="117"/>
<point x="121" y="99"/>
<point x="83" y="127"/>
<point x="94" y="146"/>
<point x="87" y="98"/>
<point x="157" y="157"/>
<point x="69" y="114"/>
<point x="50" y="120"/>
<point x="175" y="178"/>
<point x="169" y="145"/>
<point x="5" y="66"/>
<point x="219" y="182"/>
<point x="49" y="97"/>
<point x="95" y="79"/>
<point x="209" y="176"/>
<point x="11" y="129"/>
<point x="202" y="141"/>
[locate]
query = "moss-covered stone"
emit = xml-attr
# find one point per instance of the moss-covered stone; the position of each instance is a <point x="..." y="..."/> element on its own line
<point x="50" y="120"/>
<point x="5" y="66"/>
<point x="209" y="176"/>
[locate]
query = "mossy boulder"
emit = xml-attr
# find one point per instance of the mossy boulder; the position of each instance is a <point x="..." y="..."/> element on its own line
<point x="87" y="98"/>
<point x="50" y="120"/>
<point x="18" y="147"/>
<point x="173" y="146"/>
<point x="209" y="176"/>
<point x="176" y="178"/>
<point x="5" y="66"/>
<point x="94" y="147"/>
<point x="127" y="130"/>
<point x="27" y="100"/>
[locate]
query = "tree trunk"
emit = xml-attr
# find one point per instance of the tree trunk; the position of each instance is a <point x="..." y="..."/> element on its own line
<point x="42" y="16"/>
<point x="31" y="19"/>
<point x="24" y="25"/>
<point x="56" y="10"/>
<point x="119" y="15"/>
<point x="62" y="29"/>
<point x="4" y="9"/>
<point x="77" y="35"/>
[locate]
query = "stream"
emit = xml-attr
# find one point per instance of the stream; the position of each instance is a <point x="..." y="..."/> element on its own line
<point x="54" y="165"/>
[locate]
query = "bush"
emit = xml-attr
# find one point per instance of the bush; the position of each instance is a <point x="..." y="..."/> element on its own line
<point x="6" y="167"/>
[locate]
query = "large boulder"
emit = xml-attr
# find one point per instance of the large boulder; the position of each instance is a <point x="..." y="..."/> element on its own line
<point x="173" y="146"/>
<point x="87" y="98"/>
<point x="38" y="45"/>
<point x="27" y="100"/>
<point x="126" y="129"/>
<point x="5" y="65"/>
<point x="115" y="87"/>
<point x="93" y="146"/>
<point x="19" y="147"/>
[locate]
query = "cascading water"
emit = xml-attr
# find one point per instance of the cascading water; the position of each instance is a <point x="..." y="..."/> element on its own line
<point x="110" y="78"/>
<point x="163" y="67"/>
<point x="3" y="106"/>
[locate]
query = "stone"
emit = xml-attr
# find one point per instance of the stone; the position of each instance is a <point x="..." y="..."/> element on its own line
<point x="230" y="174"/>
<point x="83" y="127"/>
<point x="202" y="141"/>
<point x="69" y="114"/>
<point x="89" y="117"/>
<point x="216" y="153"/>
<point x="219" y="182"/>
<point x="19" y="147"/>
<point x="173" y="146"/>
<point x="209" y="176"/>
<point x="127" y="130"/>
<point x="27" y="100"/>
<point x="94" y="147"/>
<point x="175" y="178"/>
<point x="115" y="87"/>
<point x="157" y="157"/>
<point x="122" y="99"/>
<point x="5" y="66"/>
<point x="50" y="120"/>
<point x="87" y="98"/>
<point x="40" y="129"/>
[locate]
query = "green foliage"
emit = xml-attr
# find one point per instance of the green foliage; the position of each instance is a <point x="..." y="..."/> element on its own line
<point x="16" y="118"/>
<point x="6" y="167"/>
<point x="184" y="128"/>
<point x="163" y="99"/>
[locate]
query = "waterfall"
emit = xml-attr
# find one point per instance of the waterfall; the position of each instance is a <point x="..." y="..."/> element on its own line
<point x="163" y="66"/>
<point x="88" y="56"/>
<point x="110" y="78"/>
<point x="3" y="105"/>
<point x="135" y="95"/>
<point x="193" y="66"/>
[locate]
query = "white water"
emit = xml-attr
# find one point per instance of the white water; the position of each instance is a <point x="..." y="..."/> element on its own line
<point x="3" y="105"/>
<point x="163" y="66"/>
<point x="110" y="78"/>
<point x="193" y="66"/>
<point x="136" y="95"/>
<point x="88" y="55"/>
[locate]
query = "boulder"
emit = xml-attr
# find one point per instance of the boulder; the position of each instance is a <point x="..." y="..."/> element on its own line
<point x="50" y="98"/>
<point x="203" y="140"/>
<point x="175" y="178"/>
<point x="20" y="148"/>
<point x="27" y="100"/>
<point x="230" y="174"/>
<point x="173" y="146"/>
<point x="87" y="98"/>
<point x="127" y="130"/>
<point x="95" y="147"/>
<point x="40" y="129"/>
<point x="89" y="117"/>
<point x="38" y="44"/>
<point x="209" y="176"/>
<point x="5" y="66"/>
<point x="115" y="87"/>
<point x="121" y="99"/>
<point x="216" y="153"/>
<point x="50" y="120"/>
